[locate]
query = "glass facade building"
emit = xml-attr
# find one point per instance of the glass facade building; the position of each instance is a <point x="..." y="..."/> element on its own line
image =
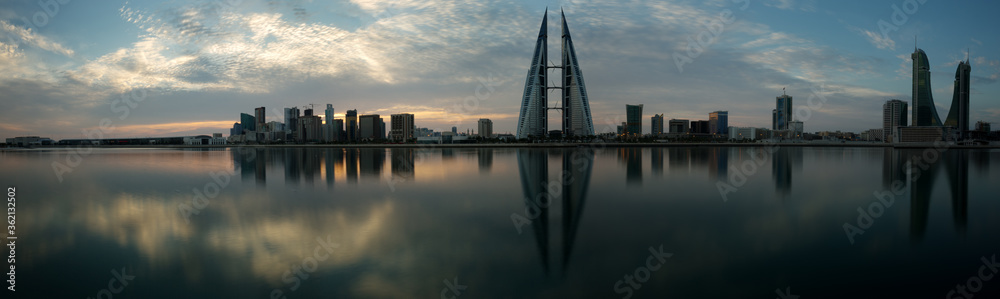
<point x="633" y="119"/>
<point x="924" y="113"/>
<point x="576" y="116"/>
<point x="958" y="116"/>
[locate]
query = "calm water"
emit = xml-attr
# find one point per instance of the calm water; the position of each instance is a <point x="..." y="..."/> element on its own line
<point x="335" y="223"/>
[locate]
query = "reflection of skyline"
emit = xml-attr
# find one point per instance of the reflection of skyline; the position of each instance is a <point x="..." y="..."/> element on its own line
<point x="781" y="172"/>
<point x="577" y="165"/>
<point x="485" y="159"/>
<point x="922" y="182"/>
<point x="402" y="163"/>
<point x="632" y="158"/>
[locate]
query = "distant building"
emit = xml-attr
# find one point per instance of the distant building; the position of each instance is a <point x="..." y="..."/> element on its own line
<point x="958" y="116"/>
<point x="369" y="127"/>
<point x="351" y="125"/>
<point x="23" y="141"/>
<point x="742" y="133"/>
<point x="656" y="125"/>
<point x="893" y="115"/>
<point x="796" y="128"/>
<point x="699" y="127"/>
<point x="329" y="134"/>
<point x="633" y="120"/>
<point x="311" y="127"/>
<point x="982" y="126"/>
<point x="249" y="122"/>
<point x="291" y="123"/>
<point x="718" y="122"/>
<point x="338" y="130"/>
<point x="236" y="130"/>
<point x="258" y="114"/>
<point x="922" y="106"/>
<point x="782" y="114"/>
<point x="402" y="127"/>
<point x="918" y="134"/>
<point x="485" y="128"/>
<point x="454" y="130"/>
<point x="679" y="126"/>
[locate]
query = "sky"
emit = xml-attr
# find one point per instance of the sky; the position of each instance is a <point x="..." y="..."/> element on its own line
<point x="183" y="67"/>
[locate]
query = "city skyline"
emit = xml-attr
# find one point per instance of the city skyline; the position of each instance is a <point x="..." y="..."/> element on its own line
<point x="191" y="80"/>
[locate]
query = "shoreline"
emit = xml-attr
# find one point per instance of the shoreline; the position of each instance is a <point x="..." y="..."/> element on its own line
<point x="529" y="145"/>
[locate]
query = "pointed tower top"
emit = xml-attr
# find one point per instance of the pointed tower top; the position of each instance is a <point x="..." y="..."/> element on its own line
<point x="543" y="31"/>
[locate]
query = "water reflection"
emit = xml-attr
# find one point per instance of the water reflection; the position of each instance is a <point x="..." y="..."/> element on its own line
<point x="403" y="242"/>
<point x="923" y="169"/>
<point x="569" y="189"/>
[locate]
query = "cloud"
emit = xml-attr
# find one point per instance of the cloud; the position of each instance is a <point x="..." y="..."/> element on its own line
<point x="876" y="39"/>
<point x="803" y="5"/>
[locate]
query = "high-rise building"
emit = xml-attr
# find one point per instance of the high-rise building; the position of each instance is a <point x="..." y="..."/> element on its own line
<point x="699" y="127"/>
<point x="922" y="106"/>
<point x="402" y="127"/>
<point x="958" y="116"/>
<point x="292" y="122"/>
<point x="656" y="124"/>
<point x="338" y="130"/>
<point x="485" y="128"/>
<point x="893" y="115"/>
<point x="249" y="122"/>
<point x="329" y="134"/>
<point x="982" y="126"/>
<point x="718" y="122"/>
<point x="533" y="119"/>
<point x="782" y="114"/>
<point x="258" y="114"/>
<point x="351" y="125"/>
<point x="679" y="126"/>
<point x="311" y="127"/>
<point x="236" y="130"/>
<point x="633" y="119"/>
<point x="381" y="129"/>
<point x="369" y="126"/>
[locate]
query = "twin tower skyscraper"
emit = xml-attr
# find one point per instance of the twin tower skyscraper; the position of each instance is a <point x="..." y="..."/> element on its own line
<point x="576" y="119"/>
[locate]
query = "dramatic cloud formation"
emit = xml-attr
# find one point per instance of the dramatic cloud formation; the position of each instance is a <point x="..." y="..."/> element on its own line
<point x="198" y="64"/>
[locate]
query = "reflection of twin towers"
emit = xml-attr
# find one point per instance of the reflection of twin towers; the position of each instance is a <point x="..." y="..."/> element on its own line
<point x="923" y="174"/>
<point x="567" y="190"/>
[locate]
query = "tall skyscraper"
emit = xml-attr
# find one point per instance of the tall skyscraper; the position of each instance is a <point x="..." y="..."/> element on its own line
<point x="258" y="114"/>
<point x="958" y="116"/>
<point x="328" y="133"/>
<point x="249" y="122"/>
<point x="656" y="124"/>
<point x="893" y="115"/>
<point x="369" y="126"/>
<point x="351" y="125"/>
<point x="633" y="119"/>
<point x="533" y="119"/>
<point x="485" y="128"/>
<point x="310" y="127"/>
<point x="782" y="114"/>
<point x="402" y="127"/>
<point x="718" y="122"/>
<point x="923" y="110"/>
<point x="292" y="122"/>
